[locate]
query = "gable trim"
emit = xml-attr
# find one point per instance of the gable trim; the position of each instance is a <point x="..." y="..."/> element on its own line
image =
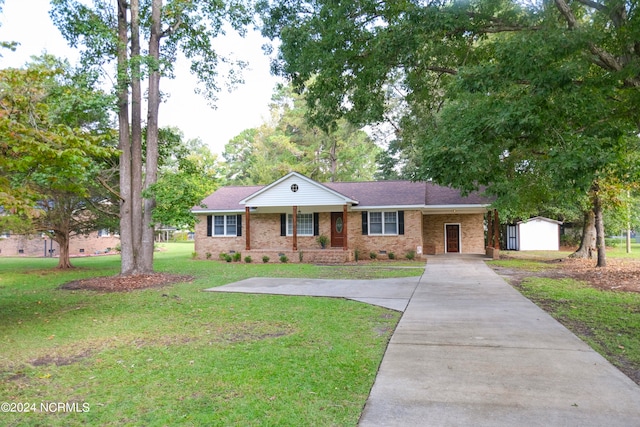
<point x="345" y="199"/>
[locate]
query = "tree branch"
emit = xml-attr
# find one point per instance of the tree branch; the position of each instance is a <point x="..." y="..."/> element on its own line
<point x="111" y="190"/>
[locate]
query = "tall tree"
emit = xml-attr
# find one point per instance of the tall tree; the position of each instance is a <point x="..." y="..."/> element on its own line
<point x="113" y="33"/>
<point x="498" y="92"/>
<point x="55" y="142"/>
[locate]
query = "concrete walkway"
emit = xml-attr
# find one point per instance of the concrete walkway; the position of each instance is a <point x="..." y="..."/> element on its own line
<point x="471" y="351"/>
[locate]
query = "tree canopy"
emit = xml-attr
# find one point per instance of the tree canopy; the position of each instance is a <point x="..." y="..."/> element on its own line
<point x="535" y="101"/>
<point x="54" y="142"/>
<point x="289" y="142"/>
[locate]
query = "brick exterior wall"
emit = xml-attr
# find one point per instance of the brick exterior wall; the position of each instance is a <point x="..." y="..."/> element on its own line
<point x="266" y="240"/>
<point x="471" y="230"/>
<point x="400" y="245"/>
<point x="33" y="246"/>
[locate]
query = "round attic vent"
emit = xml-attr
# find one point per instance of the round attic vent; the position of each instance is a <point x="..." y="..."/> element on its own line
<point x="294" y="187"/>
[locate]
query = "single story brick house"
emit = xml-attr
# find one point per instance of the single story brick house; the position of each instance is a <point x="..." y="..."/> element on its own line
<point x="358" y="218"/>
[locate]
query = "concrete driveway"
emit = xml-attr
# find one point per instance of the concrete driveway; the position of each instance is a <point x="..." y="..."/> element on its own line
<point x="469" y="350"/>
<point x="390" y="293"/>
<point x="472" y="351"/>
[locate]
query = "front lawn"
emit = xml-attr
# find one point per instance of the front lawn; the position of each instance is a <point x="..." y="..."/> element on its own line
<point x="177" y="355"/>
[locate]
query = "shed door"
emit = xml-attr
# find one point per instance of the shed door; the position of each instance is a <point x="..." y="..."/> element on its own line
<point x="337" y="230"/>
<point x="452" y="232"/>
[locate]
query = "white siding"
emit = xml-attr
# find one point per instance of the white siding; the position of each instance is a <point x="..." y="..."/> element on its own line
<point x="308" y="194"/>
<point x="539" y="235"/>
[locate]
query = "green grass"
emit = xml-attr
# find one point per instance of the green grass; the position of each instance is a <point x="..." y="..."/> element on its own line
<point x="608" y="321"/>
<point x="177" y="355"/>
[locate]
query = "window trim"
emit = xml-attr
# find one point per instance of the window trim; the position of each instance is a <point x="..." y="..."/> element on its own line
<point x="396" y="232"/>
<point x="290" y="225"/>
<point x="225" y="225"/>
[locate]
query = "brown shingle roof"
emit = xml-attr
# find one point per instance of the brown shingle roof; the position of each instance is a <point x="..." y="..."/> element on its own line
<point x="378" y="193"/>
<point x="227" y="198"/>
<point x="382" y="193"/>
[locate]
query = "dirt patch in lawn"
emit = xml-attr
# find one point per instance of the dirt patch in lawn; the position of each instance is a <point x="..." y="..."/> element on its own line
<point x="126" y="283"/>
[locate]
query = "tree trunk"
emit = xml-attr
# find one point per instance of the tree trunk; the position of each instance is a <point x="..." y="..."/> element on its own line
<point x="136" y="137"/>
<point x="62" y="239"/>
<point x="600" y="243"/>
<point x="587" y="247"/>
<point x="151" y="164"/>
<point x="128" y="263"/>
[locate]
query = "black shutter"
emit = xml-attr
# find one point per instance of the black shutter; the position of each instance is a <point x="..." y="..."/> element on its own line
<point x="283" y="224"/>
<point x="400" y="222"/>
<point x="365" y="223"/>
<point x="238" y="225"/>
<point x="209" y="225"/>
<point x="316" y="224"/>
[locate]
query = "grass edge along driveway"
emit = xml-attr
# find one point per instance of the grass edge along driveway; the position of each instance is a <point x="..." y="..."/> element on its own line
<point x="608" y="321"/>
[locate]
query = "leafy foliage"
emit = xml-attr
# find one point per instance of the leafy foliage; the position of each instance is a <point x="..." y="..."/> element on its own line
<point x="188" y="174"/>
<point x="52" y="151"/>
<point x="537" y="102"/>
<point x="289" y="142"/>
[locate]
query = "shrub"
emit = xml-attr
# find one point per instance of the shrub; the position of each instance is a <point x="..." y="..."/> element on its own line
<point x="411" y="255"/>
<point x="284" y="259"/>
<point x="265" y="259"/>
<point x="322" y="240"/>
<point x="569" y="240"/>
<point x="392" y="255"/>
<point x="356" y="254"/>
<point x="194" y="255"/>
<point x="208" y="255"/>
<point x="611" y="242"/>
<point x="223" y="256"/>
<point x="237" y="257"/>
<point x="228" y="258"/>
<point x="373" y="255"/>
<point x="300" y="256"/>
<point x="248" y="259"/>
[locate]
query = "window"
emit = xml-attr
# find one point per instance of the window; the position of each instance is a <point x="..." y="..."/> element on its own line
<point x="383" y="222"/>
<point x="304" y="223"/>
<point x="225" y="225"/>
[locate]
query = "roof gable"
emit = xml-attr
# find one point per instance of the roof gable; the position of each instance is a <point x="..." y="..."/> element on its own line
<point x="295" y="189"/>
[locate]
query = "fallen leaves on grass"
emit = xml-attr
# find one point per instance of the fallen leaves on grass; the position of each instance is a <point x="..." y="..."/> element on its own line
<point x="126" y="283"/>
<point x="618" y="275"/>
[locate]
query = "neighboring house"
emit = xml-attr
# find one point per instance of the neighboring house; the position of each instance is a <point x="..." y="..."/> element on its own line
<point x="358" y="218"/>
<point x="535" y="234"/>
<point x="101" y="241"/>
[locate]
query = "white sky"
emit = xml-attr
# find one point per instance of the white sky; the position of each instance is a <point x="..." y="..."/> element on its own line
<point x="28" y="22"/>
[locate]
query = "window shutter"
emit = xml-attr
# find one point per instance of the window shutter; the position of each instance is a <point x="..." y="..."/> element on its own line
<point x="316" y="224"/>
<point x="283" y="224"/>
<point x="365" y="223"/>
<point x="209" y="225"/>
<point x="238" y="225"/>
<point x="400" y="222"/>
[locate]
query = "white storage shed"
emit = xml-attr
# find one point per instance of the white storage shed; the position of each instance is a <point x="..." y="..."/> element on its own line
<point x="535" y="234"/>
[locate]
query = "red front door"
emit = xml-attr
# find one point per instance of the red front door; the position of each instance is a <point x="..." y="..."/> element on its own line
<point x="337" y="230"/>
<point x="453" y="238"/>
